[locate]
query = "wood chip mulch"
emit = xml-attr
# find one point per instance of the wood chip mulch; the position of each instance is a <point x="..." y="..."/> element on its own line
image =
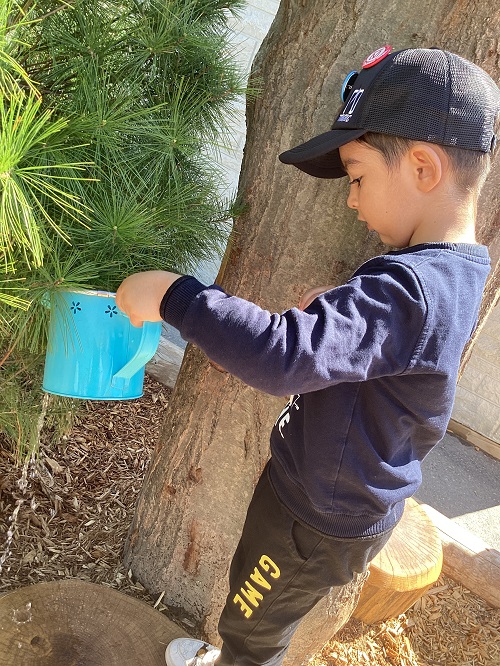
<point x="448" y="626"/>
<point x="72" y="520"/>
<point x="75" y="513"/>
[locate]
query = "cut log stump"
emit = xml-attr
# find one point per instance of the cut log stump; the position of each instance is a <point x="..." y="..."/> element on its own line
<point x="407" y="566"/>
<point x="68" y="622"/>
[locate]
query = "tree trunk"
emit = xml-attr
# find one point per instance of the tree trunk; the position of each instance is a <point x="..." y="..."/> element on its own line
<point x="296" y="233"/>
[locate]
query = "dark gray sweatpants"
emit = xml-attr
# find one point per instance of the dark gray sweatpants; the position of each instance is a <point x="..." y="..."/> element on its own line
<point x="279" y="571"/>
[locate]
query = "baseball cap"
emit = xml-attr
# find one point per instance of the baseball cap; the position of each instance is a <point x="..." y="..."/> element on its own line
<point x="421" y="94"/>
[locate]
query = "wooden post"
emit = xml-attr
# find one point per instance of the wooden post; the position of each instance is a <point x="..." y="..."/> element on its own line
<point x="405" y="568"/>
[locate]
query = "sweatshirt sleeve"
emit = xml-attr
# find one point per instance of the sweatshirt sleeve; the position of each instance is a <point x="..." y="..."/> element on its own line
<point x="364" y="329"/>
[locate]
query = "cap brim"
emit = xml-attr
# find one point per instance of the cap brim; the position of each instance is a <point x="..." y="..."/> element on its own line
<point x="320" y="156"/>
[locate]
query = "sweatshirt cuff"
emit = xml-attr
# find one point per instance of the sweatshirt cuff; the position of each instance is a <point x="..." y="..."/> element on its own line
<point x="178" y="298"/>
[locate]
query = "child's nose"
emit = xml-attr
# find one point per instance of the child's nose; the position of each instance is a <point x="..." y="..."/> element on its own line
<point x="352" y="199"/>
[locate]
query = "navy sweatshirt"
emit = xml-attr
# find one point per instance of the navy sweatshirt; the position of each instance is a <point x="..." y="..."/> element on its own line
<point x="372" y="367"/>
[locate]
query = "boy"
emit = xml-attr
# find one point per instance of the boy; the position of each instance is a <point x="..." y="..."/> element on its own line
<point x="372" y="364"/>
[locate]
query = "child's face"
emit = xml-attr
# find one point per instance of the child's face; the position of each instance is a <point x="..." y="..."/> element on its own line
<point x="384" y="198"/>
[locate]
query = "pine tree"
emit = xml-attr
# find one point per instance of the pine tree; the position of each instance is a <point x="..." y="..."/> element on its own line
<point x="109" y="115"/>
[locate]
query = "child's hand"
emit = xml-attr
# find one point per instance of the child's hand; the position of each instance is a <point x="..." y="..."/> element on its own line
<point x="140" y="295"/>
<point x="308" y="297"/>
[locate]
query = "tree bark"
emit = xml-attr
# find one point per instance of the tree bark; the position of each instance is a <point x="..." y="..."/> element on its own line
<point x="296" y="232"/>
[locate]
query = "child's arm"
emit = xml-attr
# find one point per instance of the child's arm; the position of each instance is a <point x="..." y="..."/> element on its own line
<point x="344" y="335"/>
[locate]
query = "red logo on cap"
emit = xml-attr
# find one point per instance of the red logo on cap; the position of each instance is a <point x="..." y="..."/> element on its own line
<point x="377" y="56"/>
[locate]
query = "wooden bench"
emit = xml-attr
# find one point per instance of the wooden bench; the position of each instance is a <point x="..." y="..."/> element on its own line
<point x="407" y="566"/>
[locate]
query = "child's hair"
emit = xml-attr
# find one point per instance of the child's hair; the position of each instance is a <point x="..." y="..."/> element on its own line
<point x="470" y="167"/>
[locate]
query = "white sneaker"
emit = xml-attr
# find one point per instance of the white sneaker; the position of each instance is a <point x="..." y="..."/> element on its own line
<point x="190" y="652"/>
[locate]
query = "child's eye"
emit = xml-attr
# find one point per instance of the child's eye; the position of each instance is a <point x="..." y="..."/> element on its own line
<point x="356" y="180"/>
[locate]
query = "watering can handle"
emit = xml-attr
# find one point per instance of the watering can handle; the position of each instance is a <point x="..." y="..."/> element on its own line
<point x="147" y="347"/>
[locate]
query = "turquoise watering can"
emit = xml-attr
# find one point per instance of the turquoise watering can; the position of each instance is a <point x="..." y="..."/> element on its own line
<point x="93" y="350"/>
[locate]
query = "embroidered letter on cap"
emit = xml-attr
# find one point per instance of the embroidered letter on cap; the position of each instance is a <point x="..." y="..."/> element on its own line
<point x="350" y="106"/>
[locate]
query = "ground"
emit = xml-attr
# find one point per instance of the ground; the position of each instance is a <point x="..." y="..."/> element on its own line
<point x="73" y="518"/>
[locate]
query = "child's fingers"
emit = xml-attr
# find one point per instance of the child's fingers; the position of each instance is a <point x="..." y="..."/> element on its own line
<point x="135" y="321"/>
<point x="308" y="297"/>
<point x="304" y="302"/>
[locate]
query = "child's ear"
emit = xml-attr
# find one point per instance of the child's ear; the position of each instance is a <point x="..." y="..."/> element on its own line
<point x="428" y="163"/>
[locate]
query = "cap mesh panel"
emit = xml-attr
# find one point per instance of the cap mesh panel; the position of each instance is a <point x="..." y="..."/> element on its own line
<point x="433" y="96"/>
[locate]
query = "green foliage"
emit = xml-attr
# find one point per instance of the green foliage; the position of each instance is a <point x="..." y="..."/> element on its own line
<point x="13" y="78"/>
<point x="29" y="180"/>
<point x="108" y="114"/>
